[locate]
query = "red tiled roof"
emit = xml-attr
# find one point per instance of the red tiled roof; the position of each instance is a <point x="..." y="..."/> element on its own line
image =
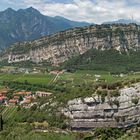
<point x="23" y="93"/>
<point x="13" y="101"/>
<point x="16" y="97"/>
<point x="3" y="92"/>
<point x="28" y="97"/>
<point x="3" y="97"/>
<point x="27" y="102"/>
<point x="28" y="93"/>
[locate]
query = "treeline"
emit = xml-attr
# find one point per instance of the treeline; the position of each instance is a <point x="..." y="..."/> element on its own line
<point x="108" y="60"/>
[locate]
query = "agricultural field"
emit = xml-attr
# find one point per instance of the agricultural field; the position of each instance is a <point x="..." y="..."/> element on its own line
<point x="31" y="78"/>
<point x="80" y="76"/>
<point x="8" y="112"/>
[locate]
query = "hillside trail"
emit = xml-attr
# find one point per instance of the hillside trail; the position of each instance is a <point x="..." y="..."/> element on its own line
<point x="54" y="79"/>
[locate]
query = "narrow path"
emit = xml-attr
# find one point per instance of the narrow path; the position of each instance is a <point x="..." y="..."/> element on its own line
<point x="54" y="79"/>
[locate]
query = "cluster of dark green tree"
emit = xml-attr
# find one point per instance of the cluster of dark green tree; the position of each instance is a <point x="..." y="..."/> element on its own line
<point x="26" y="132"/>
<point x="108" y="60"/>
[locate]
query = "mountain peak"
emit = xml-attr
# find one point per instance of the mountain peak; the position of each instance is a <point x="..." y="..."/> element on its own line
<point x="29" y="10"/>
<point x="32" y="9"/>
<point x="29" y="24"/>
<point x="9" y="10"/>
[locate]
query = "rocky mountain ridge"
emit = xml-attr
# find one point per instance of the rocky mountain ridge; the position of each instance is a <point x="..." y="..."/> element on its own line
<point x="59" y="47"/>
<point x="29" y="24"/>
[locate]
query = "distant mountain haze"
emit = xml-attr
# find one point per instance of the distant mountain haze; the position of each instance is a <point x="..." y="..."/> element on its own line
<point x="123" y="21"/>
<point x="30" y="24"/>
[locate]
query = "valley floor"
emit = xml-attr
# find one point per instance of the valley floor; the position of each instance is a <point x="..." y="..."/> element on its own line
<point x="80" y="76"/>
<point x="42" y="120"/>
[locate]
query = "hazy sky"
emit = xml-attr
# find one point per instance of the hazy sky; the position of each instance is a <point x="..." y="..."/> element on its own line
<point x="96" y="11"/>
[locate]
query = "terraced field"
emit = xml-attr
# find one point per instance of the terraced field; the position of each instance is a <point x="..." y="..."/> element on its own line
<point x="8" y="113"/>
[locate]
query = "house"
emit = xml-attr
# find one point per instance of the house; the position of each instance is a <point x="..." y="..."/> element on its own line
<point x="16" y="98"/>
<point x="97" y="76"/>
<point x="23" y="93"/>
<point x="57" y="72"/>
<point x="122" y="75"/>
<point x="43" y="94"/>
<point x="26" y="103"/>
<point x="28" y="97"/>
<point x="3" y="92"/>
<point x="54" y="72"/>
<point x="13" y="102"/>
<point x="4" y="97"/>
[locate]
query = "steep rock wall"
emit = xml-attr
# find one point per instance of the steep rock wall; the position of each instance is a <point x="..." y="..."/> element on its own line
<point x="59" y="47"/>
<point x="91" y="112"/>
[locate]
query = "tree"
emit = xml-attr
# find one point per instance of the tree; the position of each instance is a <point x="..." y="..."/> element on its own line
<point x="1" y="123"/>
<point x="135" y="101"/>
<point x="116" y="102"/>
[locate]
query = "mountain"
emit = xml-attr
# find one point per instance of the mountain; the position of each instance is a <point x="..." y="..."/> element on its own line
<point x="60" y="47"/>
<point x="71" y="23"/>
<point x="122" y="21"/>
<point x="30" y="24"/>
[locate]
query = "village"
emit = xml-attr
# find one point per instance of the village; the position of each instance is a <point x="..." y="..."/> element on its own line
<point x="23" y="98"/>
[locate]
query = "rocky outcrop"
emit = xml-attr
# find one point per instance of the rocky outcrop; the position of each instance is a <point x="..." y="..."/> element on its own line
<point x="59" y="47"/>
<point x="91" y="112"/>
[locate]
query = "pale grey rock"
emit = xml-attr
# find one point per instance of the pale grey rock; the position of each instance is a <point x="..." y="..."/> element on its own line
<point x="88" y="114"/>
<point x="58" y="48"/>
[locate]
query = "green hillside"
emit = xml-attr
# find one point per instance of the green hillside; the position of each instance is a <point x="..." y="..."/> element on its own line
<point x="108" y="60"/>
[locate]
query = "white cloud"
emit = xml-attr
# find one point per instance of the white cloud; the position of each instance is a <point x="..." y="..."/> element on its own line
<point x="96" y="11"/>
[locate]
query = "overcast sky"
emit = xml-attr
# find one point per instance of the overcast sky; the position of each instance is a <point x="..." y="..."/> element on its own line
<point x="94" y="11"/>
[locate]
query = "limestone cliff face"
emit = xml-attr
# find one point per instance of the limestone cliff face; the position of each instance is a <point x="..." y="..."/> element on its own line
<point x="59" y="47"/>
<point x="92" y="112"/>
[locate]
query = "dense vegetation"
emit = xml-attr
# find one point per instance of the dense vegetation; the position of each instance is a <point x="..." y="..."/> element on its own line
<point x="108" y="60"/>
